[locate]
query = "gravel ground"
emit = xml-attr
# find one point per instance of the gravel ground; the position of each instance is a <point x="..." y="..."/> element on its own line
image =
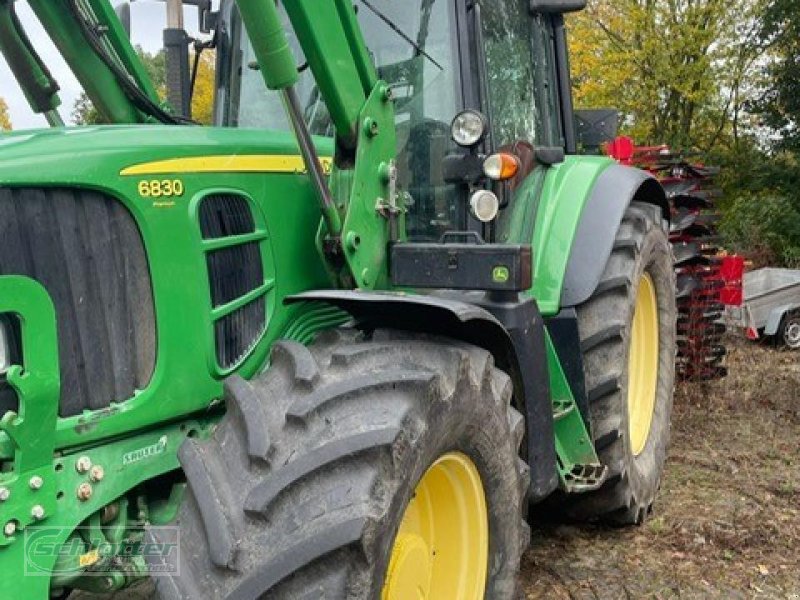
<point x="727" y="521"/>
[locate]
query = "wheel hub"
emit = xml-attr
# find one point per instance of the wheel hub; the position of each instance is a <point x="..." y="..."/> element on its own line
<point x="442" y="547"/>
<point x="643" y="364"/>
<point x="792" y="335"/>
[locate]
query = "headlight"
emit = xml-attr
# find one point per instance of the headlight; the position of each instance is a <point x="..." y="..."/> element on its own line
<point x="484" y="205"/>
<point x="468" y="128"/>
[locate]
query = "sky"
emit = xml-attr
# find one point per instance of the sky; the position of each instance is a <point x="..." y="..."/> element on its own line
<point x="147" y="24"/>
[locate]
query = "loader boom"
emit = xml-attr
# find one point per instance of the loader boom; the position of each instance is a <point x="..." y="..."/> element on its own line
<point x="354" y="242"/>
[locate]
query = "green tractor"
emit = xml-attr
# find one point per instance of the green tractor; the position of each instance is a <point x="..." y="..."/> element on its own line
<point x="339" y="346"/>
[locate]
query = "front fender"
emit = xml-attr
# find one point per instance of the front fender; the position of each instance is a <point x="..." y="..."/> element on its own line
<point x="515" y="337"/>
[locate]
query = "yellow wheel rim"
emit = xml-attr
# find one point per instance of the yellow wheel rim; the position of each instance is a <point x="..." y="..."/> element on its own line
<point x="442" y="547"/>
<point x="643" y="364"/>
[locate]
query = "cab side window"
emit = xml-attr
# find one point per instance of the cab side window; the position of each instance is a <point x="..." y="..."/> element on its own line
<point x="511" y="71"/>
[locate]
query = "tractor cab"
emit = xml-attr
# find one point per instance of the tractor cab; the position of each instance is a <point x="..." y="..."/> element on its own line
<point x="494" y="65"/>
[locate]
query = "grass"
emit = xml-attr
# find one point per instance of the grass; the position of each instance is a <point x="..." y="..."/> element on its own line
<point x="727" y="521"/>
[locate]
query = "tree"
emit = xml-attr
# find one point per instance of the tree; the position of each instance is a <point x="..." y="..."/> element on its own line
<point x="5" y="120"/>
<point x="203" y="98"/>
<point x="676" y="69"/>
<point x="779" y="105"/>
<point x="84" y="112"/>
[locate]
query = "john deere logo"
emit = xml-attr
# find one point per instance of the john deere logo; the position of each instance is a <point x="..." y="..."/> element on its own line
<point x="501" y="274"/>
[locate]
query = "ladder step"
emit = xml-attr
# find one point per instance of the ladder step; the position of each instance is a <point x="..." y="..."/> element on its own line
<point x="585" y="478"/>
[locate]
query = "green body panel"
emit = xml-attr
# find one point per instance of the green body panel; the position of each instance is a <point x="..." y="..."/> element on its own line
<point x="287" y="218"/>
<point x="187" y="379"/>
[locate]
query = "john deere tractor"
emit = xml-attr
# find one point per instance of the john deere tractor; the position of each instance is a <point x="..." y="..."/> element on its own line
<point x="340" y="345"/>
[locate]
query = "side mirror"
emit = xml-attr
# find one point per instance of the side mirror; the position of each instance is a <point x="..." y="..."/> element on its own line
<point x="124" y="15"/>
<point x="206" y="16"/>
<point x="557" y="7"/>
<point x="596" y="127"/>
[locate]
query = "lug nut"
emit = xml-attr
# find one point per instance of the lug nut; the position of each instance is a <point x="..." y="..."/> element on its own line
<point x="97" y="473"/>
<point x="10" y="528"/>
<point x="84" y="492"/>
<point x="5" y="494"/>
<point x="36" y="482"/>
<point x="37" y="512"/>
<point x="83" y="464"/>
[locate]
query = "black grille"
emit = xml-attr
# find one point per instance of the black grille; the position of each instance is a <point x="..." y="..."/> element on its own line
<point x="224" y="215"/>
<point x="237" y="333"/>
<point x="85" y="248"/>
<point x="233" y="271"/>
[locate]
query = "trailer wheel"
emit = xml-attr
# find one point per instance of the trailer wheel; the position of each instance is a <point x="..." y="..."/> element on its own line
<point x="789" y="332"/>
<point x="628" y="342"/>
<point x="357" y="468"/>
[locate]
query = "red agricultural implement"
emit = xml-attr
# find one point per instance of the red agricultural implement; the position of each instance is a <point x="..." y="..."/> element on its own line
<point x="706" y="280"/>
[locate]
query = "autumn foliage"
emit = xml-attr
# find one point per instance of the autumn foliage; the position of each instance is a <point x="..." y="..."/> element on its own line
<point x="5" y="121"/>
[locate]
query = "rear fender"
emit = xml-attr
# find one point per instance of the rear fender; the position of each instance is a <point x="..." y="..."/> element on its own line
<point x="614" y="191"/>
<point x="578" y="208"/>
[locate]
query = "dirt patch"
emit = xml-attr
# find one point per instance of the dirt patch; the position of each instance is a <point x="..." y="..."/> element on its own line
<point x="727" y="521"/>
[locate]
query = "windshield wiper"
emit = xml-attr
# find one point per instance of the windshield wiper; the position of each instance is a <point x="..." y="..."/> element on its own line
<point x="398" y="31"/>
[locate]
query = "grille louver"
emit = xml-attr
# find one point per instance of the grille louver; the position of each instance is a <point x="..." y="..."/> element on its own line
<point x="225" y="215"/>
<point x="235" y="274"/>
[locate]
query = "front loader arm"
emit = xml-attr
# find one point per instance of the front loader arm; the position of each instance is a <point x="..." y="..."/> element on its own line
<point x="35" y="80"/>
<point x="108" y="83"/>
<point x="358" y="199"/>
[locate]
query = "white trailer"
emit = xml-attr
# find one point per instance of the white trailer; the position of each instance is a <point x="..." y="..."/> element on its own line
<point x="771" y="306"/>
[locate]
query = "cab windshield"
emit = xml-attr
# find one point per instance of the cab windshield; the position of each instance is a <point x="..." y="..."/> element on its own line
<point x="414" y="47"/>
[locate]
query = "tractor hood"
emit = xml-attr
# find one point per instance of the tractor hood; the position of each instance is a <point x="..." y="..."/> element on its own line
<point x="85" y="155"/>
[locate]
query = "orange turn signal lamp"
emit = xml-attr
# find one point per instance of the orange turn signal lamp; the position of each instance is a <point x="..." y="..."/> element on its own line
<point x="501" y="166"/>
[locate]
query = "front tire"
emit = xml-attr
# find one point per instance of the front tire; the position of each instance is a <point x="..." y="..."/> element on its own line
<point x="358" y="468"/>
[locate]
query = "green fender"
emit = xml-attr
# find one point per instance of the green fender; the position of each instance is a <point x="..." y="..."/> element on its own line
<point x="571" y="213"/>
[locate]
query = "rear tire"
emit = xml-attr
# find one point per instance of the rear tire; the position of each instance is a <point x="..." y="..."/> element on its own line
<point x="301" y="491"/>
<point x="641" y="263"/>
